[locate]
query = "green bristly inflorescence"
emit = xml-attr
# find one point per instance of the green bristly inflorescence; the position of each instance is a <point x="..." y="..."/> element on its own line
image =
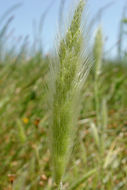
<point x="98" y="53"/>
<point x="70" y="74"/>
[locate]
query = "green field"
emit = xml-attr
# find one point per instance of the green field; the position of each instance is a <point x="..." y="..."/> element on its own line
<point x="99" y="155"/>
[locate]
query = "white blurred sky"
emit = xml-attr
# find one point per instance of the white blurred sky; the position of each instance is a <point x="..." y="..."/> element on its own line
<point x="30" y="12"/>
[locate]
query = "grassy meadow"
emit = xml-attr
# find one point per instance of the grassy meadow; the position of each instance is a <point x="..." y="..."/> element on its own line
<point x="98" y="159"/>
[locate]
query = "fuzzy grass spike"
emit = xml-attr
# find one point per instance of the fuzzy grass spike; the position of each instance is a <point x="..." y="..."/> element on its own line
<point x="98" y="53"/>
<point x="68" y="76"/>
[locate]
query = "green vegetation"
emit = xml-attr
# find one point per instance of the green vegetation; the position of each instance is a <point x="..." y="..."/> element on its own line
<point x="69" y="75"/>
<point x="43" y="144"/>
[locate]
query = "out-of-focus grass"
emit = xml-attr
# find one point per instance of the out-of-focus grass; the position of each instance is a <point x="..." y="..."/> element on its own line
<point x="21" y="85"/>
<point x="24" y="123"/>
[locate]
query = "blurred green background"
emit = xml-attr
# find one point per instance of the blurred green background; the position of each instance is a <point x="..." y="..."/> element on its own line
<point x="24" y="113"/>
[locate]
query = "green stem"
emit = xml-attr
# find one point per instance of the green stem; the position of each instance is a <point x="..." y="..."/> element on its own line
<point x="79" y="182"/>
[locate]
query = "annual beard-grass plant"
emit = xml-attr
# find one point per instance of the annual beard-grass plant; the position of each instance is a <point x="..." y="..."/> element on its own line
<point x="100" y="104"/>
<point x="67" y="77"/>
<point x="98" y="53"/>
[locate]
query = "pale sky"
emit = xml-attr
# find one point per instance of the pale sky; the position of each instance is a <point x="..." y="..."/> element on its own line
<point x="27" y="17"/>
